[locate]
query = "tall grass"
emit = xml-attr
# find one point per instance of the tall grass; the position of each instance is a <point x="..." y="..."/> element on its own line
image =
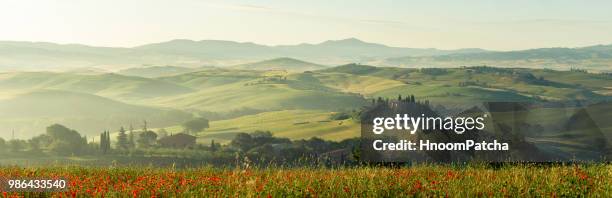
<point x="420" y="180"/>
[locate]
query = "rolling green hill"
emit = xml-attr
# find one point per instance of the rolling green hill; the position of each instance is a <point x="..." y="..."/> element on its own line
<point x="107" y="85"/>
<point x="294" y="98"/>
<point x="211" y="77"/>
<point x="470" y="83"/>
<point x="155" y="71"/>
<point x="463" y="86"/>
<point x="287" y="64"/>
<point x="294" y="124"/>
<point x="106" y="101"/>
<point x="29" y="113"/>
<point x="264" y="94"/>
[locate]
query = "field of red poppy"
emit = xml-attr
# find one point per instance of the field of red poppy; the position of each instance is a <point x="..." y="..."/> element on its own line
<point x="422" y="180"/>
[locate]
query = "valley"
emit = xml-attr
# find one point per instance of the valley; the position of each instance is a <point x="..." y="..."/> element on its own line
<point x="294" y="104"/>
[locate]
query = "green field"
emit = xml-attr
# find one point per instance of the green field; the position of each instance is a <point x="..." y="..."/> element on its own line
<point x="112" y="100"/>
<point x="418" y="181"/>
<point x="294" y="124"/>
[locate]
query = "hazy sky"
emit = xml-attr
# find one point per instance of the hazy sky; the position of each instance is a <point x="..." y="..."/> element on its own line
<point x="501" y="25"/>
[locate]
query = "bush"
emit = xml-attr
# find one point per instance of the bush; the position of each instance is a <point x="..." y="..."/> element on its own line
<point x="196" y="125"/>
<point x="340" y="116"/>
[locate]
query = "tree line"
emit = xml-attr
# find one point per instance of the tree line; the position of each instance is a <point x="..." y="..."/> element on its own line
<point x="258" y="147"/>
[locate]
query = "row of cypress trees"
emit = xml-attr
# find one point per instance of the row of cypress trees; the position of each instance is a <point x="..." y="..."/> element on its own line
<point x="105" y="142"/>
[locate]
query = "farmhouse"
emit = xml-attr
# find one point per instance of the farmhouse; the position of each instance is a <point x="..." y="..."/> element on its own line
<point x="180" y="140"/>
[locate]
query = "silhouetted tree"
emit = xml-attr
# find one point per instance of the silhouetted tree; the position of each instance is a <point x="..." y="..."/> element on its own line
<point x="144" y="126"/>
<point x="65" y="141"/>
<point x="122" y="139"/>
<point x="146" y="139"/>
<point x="242" y="141"/>
<point x="131" y="144"/>
<point x="108" y="140"/>
<point x="213" y="146"/>
<point x="16" y="145"/>
<point x="105" y="142"/>
<point x="196" y="125"/>
<point x="37" y="143"/>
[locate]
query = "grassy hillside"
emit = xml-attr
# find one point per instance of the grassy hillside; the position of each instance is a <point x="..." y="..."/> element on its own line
<point x="287" y="64"/>
<point x="29" y="113"/>
<point x="291" y="96"/>
<point x="263" y="94"/>
<point x="215" y="90"/>
<point x="107" y="85"/>
<point x="211" y="77"/>
<point x="223" y="90"/>
<point x="470" y="83"/>
<point x="45" y="103"/>
<point x="366" y="85"/>
<point x="294" y="124"/>
<point x="155" y="71"/>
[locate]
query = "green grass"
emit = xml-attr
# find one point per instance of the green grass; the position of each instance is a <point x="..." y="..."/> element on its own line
<point x="255" y="93"/>
<point x="451" y="95"/>
<point x="125" y="88"/>
<point x="155" y="71"/>
<point x="366" y="85"/>
<point x="28" y="114"/>
<point x="211" y="77"/>
<point x="293" y="124"/>
<point x="505" y="85"/>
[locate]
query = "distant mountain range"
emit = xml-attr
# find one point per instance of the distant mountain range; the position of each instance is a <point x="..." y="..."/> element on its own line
<point x="597" y="57"/>
<point x="188" y="53"/>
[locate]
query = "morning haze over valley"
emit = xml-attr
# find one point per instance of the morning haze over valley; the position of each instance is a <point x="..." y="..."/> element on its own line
<point x="185" y="53"/>
<point x="99" y="88"/>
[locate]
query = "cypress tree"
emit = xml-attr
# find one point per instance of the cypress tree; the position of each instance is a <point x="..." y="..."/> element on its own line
<point x="102" y="142"/>
<point x="105" y="142"/>
<point x="122" y="139"/>
<point x="213" y="146"/>
<point x="108" y="141"/>
<point x="131" y="143"/>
